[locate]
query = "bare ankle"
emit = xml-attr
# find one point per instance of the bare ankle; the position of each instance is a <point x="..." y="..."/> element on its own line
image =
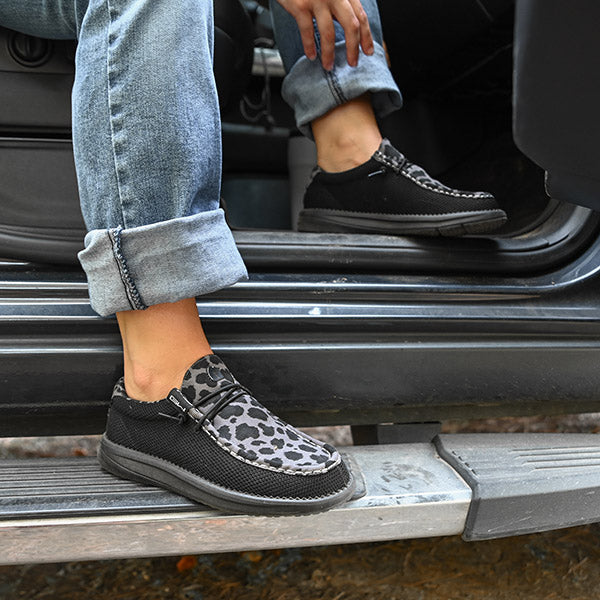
<point x="159" y="345"/>
<point x="346" y="136"/>
<point x="151" y="383"/>
<point x="348" y="151"/>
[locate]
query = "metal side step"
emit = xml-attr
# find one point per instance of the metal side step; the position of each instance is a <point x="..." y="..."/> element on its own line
<point x="483" y="486"/>
<point x="68" y="509"/>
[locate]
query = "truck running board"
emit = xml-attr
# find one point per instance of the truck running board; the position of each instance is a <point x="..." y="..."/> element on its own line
<point x="482" y="486"/>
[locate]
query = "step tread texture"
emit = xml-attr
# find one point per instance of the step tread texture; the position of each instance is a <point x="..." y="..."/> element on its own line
<point x="42" y="487"/>
<point x="524" y="483"/>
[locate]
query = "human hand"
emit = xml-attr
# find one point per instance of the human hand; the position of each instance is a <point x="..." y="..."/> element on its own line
<point x="348" y="13"/>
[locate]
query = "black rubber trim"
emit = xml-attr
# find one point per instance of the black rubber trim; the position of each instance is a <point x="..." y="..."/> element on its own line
<point x="525" y="482"/>
<point x="566" y="232"/>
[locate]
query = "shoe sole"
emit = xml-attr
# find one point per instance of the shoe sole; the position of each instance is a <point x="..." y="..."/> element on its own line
<point x="450" y="224"/>
<point x="143" y="468"/>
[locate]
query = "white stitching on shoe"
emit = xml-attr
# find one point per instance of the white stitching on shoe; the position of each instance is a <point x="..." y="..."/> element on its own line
<point x="168" y="462"/>
<point x="268" y="467"/>
<point x="447" y="193"/>
<point x="390" y="162"/>
<point x="214" y="436"/>
<point x="386" y="160"/>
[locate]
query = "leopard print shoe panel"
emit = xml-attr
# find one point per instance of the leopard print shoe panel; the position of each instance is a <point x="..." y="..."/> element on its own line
<point x="251" y="432"/>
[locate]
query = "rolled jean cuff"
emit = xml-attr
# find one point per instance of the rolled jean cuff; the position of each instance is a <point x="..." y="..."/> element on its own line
<point x="131" y="269"/>
<point x="329" y="89"/>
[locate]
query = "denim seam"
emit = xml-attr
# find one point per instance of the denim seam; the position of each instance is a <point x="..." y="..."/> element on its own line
<point x="131" y="291"/>
<point x="330" y="76"/>
<point x="110" y="80"/>
<point x="335" y="87"/>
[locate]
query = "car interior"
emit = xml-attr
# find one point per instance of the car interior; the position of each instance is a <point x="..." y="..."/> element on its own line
<point x="456" y="122"/>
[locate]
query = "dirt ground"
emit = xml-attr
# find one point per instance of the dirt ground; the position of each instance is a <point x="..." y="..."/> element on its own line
<point x="556" y="565"/>
<point x="550" y="566"/>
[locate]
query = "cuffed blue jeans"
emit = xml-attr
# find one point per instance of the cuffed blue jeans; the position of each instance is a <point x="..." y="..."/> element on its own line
<point x="147" y="140"/>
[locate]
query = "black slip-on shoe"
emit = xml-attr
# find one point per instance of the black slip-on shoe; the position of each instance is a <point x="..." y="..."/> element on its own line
<point x="211" y="441"/>
<point x="390" y="195"/>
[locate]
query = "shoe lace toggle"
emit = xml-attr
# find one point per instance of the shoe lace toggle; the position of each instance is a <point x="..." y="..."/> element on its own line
<point x="394" y="162"/>
<point x="206" y="407"/>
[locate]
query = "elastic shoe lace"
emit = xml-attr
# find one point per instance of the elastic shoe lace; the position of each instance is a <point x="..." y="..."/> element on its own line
<point x="225" y="395"/>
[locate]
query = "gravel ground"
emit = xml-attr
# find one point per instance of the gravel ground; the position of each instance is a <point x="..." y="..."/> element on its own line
<point x="549" y="566"/>
<point x="556" y="565"/>
<point x="87" y="445"/>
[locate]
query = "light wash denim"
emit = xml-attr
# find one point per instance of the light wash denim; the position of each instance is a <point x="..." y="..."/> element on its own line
<point x="312" y="91"/>
<point x="147" y="145"/>
<point x="146" y="136"/>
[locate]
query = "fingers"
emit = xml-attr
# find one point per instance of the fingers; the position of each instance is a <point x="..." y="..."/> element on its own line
<point x="350" y="14"/>
<point x="302" y="11"/>
<point x="327" y="36"/>
<point x="307" y="34"/>
<point x="346" y="17"/>
<point x="366" y="38"/>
